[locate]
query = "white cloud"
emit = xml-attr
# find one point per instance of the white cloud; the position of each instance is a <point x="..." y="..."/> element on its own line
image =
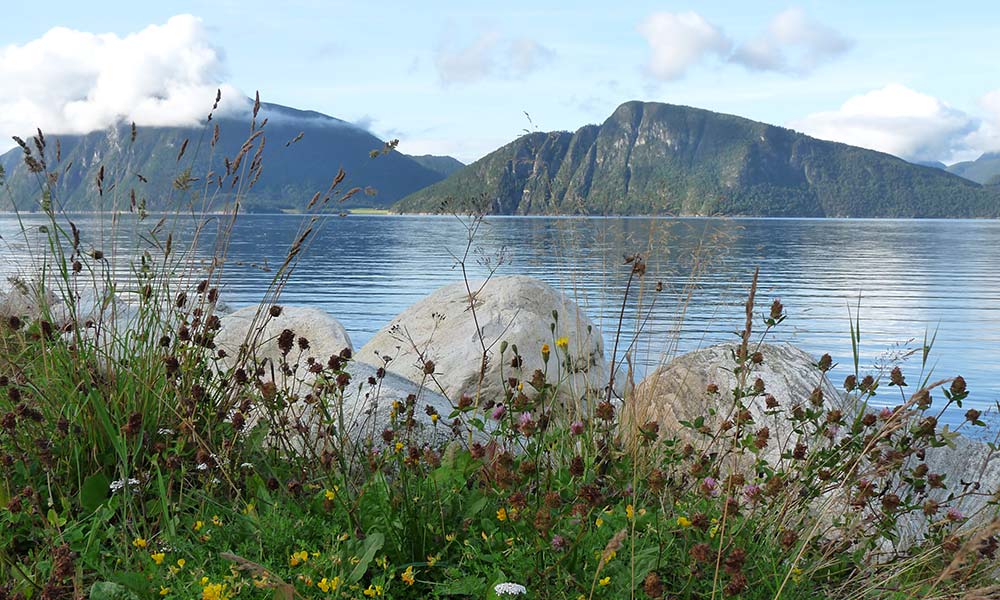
<point x="903" y="122"/>
<point x="792" y="43"/>
<point x="488" y="55"/>
<point x="70" y="81"/>
<point x="678" y="41"/>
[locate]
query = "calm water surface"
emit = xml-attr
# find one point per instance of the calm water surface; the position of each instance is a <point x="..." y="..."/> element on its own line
<point x="912" y="278"/>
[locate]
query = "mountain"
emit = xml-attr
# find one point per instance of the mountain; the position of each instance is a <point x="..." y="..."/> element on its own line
<point x="982" y="170"/>
<point x="934" y="164"/>
<point x="652" y="158"/>
<point x="292" y="170"/>
<point x="445" y="165"/>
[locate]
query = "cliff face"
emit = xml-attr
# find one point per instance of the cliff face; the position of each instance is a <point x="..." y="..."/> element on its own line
<point x="651" y="158"/>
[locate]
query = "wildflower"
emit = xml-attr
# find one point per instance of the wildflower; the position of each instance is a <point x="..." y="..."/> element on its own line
<point x="139" y="542"/>
<point x="164" y="590"/>
<point x="372" y="591"/>
<point x="181" y="562"/>
<point x="119" y="484"/>
<point x="683" y="521"/>
<point x="954" y="514"/>
<point x="399" y="447"/>
<point x="298" y="558"/>
<point x="201" y="466"/>
<point x="545" y="352"/>
<point x="509" y="589"/>
<point x="216" y="521"/>
<point x="501" y="514"/>
<point x="604" y="581"/>
<point x="328" y="585"/>
<point x="329" y="494"/>
<point x="630" y="512"/>
<point x="710" y="486"/>
<point x="499" y="412"/>
<point x="599" y="522"/>
<point x="558" y="542"/>
<point x="434" y="418"/>
<point x="158" y="557"/>
<point x="215" y="591"/>
<point x="198" y="525"/>
<point x="576" y="427"/>
<point x="450" y="537"/>
<point x="407" y="576"/>
<point x="562" y="343"/>
<point x="432" y="559"/>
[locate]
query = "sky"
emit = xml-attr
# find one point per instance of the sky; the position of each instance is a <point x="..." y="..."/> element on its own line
<point x="914" y="78"/>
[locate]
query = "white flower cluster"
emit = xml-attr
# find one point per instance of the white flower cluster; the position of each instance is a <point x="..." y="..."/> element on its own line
<point x="118" y="484"/>
<point x="509" y="589"/>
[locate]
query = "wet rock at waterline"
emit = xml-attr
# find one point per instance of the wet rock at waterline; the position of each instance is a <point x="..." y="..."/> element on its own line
<point x="442" y="329"/>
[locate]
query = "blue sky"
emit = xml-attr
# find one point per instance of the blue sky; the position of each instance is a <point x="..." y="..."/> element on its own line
<point x="918" y="79"/>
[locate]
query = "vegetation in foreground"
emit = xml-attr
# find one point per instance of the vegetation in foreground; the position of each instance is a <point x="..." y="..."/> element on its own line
<point x="135" y="466"/>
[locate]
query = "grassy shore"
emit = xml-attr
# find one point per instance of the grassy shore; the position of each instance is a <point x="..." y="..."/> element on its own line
<point x="139" y="461"/>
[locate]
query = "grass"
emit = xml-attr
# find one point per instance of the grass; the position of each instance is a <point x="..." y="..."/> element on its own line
<point x="135" y="464"/>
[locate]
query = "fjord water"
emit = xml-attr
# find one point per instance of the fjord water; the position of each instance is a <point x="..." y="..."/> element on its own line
<point x="905" y="279"/>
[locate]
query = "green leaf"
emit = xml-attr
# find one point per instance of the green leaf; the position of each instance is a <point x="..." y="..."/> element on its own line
<point x="106" y="590"/>
<point x="373" y="543"/>
<point x="94" y="491"/>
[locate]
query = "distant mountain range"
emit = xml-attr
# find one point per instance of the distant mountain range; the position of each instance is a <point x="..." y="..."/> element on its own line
<point x="646" y="158"/>
<point x="652" y="158"/>
<point x="985" y="169"/>
<point x="292" y="170"/>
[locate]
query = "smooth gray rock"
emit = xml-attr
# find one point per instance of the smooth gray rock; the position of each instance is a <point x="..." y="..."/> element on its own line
<point x="254" y="326"/>
<point x="513" y="309"/>
<point x="678" y="392"/>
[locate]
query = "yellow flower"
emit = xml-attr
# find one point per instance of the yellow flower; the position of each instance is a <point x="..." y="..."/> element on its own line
<point x="399" y="446"/>
<point x="139" y="542"/>
<point x="198" y="525"/>
<point x="630" y="512"/>
<point x="796" y="575"/>
<point x="407" y="576"/>
<point x="215" y="591"/>
<point x="373" y="591"/>
<point x="158" y="557"/>
<point x="450" y="537"/>
<point x="599" y="522"/>
<point x="298" y="558"/>
<point x="432" y="559"/>
<point x="562" y="343"/>
<point x="216" y="521"/>
<point x="204" y="581"/>
<point x="502" y="514"/>
<point x="164" y="590"/>
<point x="329" y="494"/>
<point x="343" y="537"/>
<point x="684" y="521"/>
<point x="434" y="418"/>
<point x="181" y="562"/>
<point x="604" y="581"/>
<point x="329" y="585"/>
<point x="545" y="348"/>
<point x="249" y="508"/>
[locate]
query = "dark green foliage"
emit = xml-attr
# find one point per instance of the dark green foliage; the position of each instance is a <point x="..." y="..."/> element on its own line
<point x="651" y="158"/>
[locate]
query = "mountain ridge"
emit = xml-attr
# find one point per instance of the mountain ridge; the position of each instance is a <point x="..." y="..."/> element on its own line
<point x="294" y="167"/>
<point x="655" y="158"/>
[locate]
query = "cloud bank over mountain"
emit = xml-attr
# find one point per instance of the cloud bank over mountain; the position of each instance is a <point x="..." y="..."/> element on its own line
<point x="70" y="81"/>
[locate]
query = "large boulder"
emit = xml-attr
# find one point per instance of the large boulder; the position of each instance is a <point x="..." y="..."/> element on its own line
<point x="678" y="392"/>
<point x="255" y="327"/>
<point x="516" y="310"/>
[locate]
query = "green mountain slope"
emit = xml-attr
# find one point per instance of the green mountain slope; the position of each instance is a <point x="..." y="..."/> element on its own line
<point x="292" y="172"/>
<point x="651" y="158"/>
<point x="445" y="165"/>
<point x="985" y="169"/>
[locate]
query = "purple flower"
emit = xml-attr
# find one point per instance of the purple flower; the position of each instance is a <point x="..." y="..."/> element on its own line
<point x="499" y="412"/>
<point x="558" y="542"/>
<point x="954" y="514"/>
<point x="576" y="427"/>
<point x="751" y="492"/>
<point x="710" y="486"/>
<point x="524" y="419"/>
